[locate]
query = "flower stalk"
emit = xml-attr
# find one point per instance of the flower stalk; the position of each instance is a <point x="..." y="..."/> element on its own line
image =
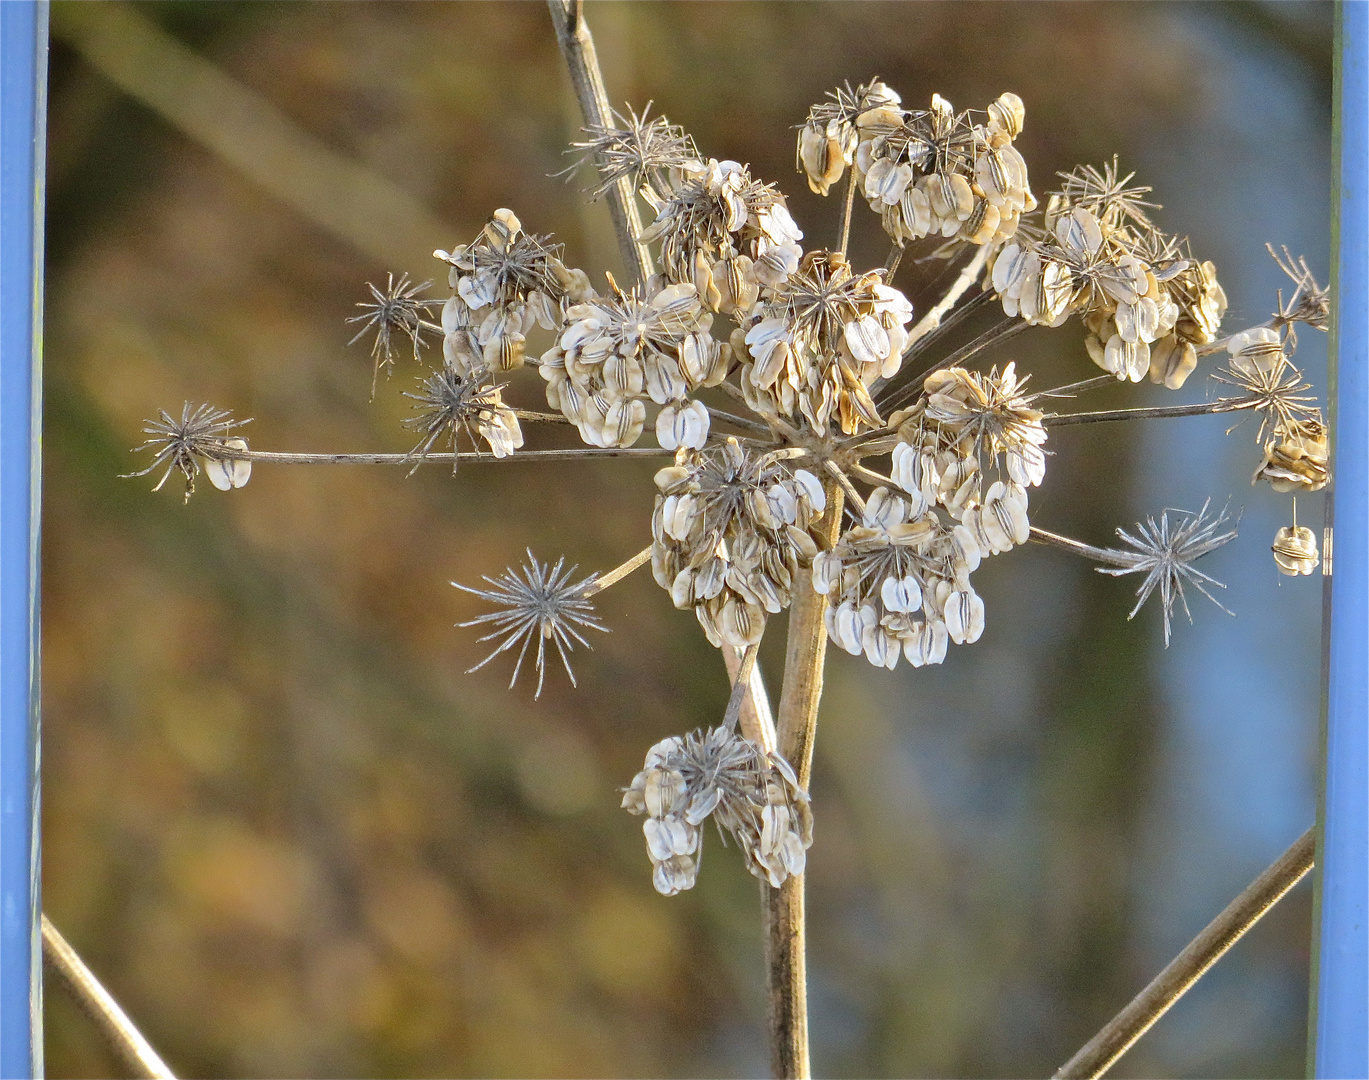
<point x="577" y="47"/>
<point x="785" y="923"/>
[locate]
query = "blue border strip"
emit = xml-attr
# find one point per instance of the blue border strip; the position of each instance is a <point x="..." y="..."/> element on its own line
<point x="23" y="109"/>
<point x="1341" y="1018"/>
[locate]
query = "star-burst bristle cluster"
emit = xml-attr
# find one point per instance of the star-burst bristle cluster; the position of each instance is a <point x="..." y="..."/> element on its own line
<point x="198" y="440"/>
<point x="1165" y="551"/>
<point x="538" y="602"/>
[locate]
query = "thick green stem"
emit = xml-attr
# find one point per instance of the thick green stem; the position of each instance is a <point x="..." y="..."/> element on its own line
<point x="786" y="970"/>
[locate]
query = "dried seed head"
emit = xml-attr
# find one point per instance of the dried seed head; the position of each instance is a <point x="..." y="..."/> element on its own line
<point x="1295" y="550"/>
<point x="198" y="439"/>
<point x="543" y="603"/>
<point x="827" y="141"/>
<point x="1165" y="552"/>
<point x="618" y="350"/>
<point x="642" y="150"/>
<point x="1297" y="458"/>
<point x="717" y="214"/>
<point x="732" y="531"/>
<point x="1136" y="290"/>
<point x="899" y="581"/>
<point x="936" y="172"/>
<point x="1309" y="303"/>
<point x="1104" y="192"/>
<point x="819" y="340"/>
<point x="505" y="282"/>
<point x="396" y="311"/>
<point x="1261" y="368"/>
<point x="752" y="795"/>
<point x="452" y="403"/>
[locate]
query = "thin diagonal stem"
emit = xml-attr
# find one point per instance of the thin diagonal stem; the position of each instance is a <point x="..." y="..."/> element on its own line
<point x="741" y="686"/>
<point x="125" y="1039"/>
<point x="844" y="235"/>
<point x="1121" y="1032"/>
<point x="603" y="581"/>
<point x="932" y="319"/>
<point x="1200" y="409"/>
<point x="1070" y="389"/>
<point x="757" y="721"/>
<point x="577" y="47"/>
<point x="278" y="457"/>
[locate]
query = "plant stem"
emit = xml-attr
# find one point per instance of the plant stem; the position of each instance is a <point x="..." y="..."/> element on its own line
<point x="1088" y="551"/>
<point x="786" y="972"/>
<point x="741" y="686"/>
<point x="1200" y="409"/>
<point x="932" y="319"/>
<point x="278" y="457"/>
<point x="125" y="1039"/>
<point x="577" y="47"/>
<point x="603" y="581"/>
<point x="1121" y="1032"/>
<point x="844" y="237"/>
<point x="757" y="721"/>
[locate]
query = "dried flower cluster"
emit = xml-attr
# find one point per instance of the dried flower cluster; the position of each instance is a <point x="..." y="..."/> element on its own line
<point x="752" y="795"/>
<point x="732" y="534"/>
<point x="1144" y="301"/>
<point x="776" y="377"/>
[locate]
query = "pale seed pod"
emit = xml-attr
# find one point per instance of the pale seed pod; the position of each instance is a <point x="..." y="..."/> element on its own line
<point x="1295" y="550"/>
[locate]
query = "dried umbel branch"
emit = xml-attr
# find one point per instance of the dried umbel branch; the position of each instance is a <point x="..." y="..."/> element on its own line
<point x="835" y="453"/>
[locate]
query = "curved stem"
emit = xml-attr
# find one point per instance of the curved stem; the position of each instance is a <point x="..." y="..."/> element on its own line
<point x="785" y="928"/>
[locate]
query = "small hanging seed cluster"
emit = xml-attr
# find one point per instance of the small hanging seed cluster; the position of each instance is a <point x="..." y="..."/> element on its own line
<point x="780" y="380"/>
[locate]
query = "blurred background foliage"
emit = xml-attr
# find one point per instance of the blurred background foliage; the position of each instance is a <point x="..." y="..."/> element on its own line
<point x="292" y="836"/>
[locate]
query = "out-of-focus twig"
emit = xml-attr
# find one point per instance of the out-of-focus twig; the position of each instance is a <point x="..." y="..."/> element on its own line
<point x="125" y="1039"/>
<point x="1121" y="1032"/>
<point x="352" y="202"/>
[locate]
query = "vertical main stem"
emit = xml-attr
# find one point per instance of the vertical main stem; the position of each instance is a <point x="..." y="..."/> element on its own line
<point x="785" y="928"/>
<point x="577" y="46"/>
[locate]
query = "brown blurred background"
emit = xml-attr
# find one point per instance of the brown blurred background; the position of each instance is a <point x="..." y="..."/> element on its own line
<point x="292" y="836"/>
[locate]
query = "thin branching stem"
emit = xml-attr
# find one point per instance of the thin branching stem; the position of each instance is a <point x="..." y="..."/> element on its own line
<point x="1088" y="551"/>
<point x="1201" y="409"/>
<point x="603" y="581"/>
<point x="1071" y="389"/>
<point x="848" y="204"/>
<point x="1121" y="1032"/>
<point x="996" y="334"/>
<point x="577" y="47"/>
<point x="932" y="319"/>
<point x="279" y="457"/>
<point x="124" y="1038"/>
